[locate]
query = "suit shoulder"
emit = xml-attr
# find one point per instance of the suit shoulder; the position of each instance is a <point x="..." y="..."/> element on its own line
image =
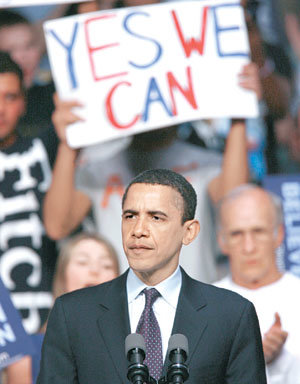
<point x="220" y="296"/>
<point x="227" y="304"/>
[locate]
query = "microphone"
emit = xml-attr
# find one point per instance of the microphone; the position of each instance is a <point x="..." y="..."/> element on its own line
<point x="135" y="351"/>
<point x="178" y="351"/>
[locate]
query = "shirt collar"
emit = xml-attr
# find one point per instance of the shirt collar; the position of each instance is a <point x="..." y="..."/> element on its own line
<point x="168" y="288"/>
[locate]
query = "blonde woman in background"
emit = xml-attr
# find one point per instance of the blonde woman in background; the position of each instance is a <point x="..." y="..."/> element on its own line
<point x="84" y="260"/>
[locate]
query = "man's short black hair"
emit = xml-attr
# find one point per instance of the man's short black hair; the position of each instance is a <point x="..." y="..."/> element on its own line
<point x="10" y="18"/>
<point x="7" y="65"/>
<point x="170" y="179"/>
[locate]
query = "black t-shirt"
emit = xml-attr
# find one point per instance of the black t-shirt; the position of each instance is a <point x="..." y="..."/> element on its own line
<point x="27" y="255"/>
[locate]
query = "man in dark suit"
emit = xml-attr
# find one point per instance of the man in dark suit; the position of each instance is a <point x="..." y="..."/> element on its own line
<point x="84" y="342"/>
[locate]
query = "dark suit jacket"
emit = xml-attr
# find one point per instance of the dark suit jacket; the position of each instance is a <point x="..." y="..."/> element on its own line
<point x="84" y="342"/>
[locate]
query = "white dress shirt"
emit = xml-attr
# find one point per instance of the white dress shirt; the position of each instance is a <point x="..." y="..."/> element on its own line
<point x="164" y="307"/>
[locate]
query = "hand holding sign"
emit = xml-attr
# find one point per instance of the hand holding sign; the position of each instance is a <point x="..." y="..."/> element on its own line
<point x="64" y="116"/>
<point x="249" y="79"/>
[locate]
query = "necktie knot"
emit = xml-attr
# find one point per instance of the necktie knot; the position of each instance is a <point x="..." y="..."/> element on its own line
<point x="150" y="296"/>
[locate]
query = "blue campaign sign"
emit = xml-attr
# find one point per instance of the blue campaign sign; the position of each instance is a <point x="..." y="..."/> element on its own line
<point x="14" y="341"/>
<point x="288" y="188"/>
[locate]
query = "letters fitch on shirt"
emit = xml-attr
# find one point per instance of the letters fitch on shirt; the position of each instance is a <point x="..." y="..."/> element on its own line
<point x="27" y="256"/>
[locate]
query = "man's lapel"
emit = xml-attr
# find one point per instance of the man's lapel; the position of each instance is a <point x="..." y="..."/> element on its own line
<point x="189" y="319"/>
<point x="114" y="324"/>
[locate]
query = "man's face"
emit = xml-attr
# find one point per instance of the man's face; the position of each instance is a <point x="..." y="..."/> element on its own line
<point x="19" y="41"/>
<point x="11" y="106"/>
<point x="152" y="231"/>
<point x="249" y="237"/>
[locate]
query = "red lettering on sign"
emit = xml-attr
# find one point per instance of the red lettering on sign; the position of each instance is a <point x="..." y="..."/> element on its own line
<point x="188" y="93"/>
<point x="109" y="109"/>
<point x="189" y="45"/>
<point x="91" y="49"/>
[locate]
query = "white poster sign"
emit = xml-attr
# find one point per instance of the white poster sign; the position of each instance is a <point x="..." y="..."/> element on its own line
<point x="141" y="68"/>
<point x="24" y="3"/>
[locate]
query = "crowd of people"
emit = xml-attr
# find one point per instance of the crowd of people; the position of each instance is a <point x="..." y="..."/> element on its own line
<point x="50" y="192"/>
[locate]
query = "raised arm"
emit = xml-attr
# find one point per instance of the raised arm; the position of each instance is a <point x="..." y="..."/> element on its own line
<point x="292" y="27"/>
<point x="64" y="206"/>
<point x="235" y="170"/>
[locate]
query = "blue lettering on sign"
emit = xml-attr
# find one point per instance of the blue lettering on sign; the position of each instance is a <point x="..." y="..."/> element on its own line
<point x="219" y="30"/>
<point x="159" y="48"/>
<point x="68" y="48"/>
<point x="154" y="95"/>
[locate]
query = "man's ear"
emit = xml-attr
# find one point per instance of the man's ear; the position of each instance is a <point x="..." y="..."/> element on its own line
<point x="279" y="235"/>
<point x="191" y="230"/>
<point x="222" y="242"/>
<point x="23" y="107"/>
